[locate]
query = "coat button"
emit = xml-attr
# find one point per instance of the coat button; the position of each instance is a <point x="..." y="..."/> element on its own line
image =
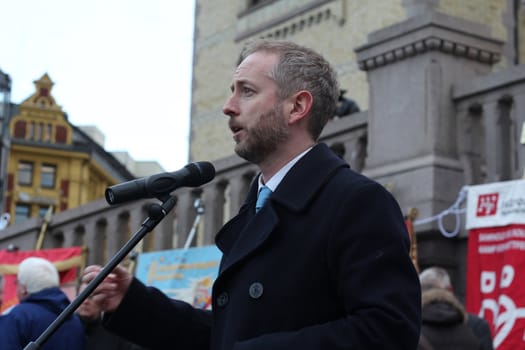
<point x="256" y="290"/>
<point x="223" y="299"/>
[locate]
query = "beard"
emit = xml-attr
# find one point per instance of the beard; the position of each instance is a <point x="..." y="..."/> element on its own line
<point x="263" y="139"/>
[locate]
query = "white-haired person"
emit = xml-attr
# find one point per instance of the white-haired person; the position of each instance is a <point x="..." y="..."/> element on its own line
<point x="41" y="301"/>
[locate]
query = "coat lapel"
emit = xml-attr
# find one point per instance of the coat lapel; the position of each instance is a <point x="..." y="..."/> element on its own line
<point x="250" y="236"/>
<point x="247" y="231"/>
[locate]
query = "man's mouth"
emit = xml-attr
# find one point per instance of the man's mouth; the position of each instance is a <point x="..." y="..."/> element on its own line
<point x="235" y="129"/>
<point x="237" y="132"/>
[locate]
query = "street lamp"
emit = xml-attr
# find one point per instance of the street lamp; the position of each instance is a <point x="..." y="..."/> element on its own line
<point x="5" y="104"/>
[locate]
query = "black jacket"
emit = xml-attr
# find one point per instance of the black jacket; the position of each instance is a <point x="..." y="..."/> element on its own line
<point x="444" y="322"/>
<point x="98" y="338"/>
<point x="481" y="329"/>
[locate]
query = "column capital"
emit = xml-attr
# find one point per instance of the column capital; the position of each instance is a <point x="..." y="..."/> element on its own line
<point x="431" y="31"/>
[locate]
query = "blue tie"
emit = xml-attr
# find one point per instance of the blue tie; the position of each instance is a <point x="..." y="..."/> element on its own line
<point x="264" y="193"/>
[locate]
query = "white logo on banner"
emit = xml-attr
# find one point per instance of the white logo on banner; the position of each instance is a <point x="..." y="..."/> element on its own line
<point x="503" y="321"/>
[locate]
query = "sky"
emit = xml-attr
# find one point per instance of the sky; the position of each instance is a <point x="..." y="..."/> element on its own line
<point x="122" y="65"/>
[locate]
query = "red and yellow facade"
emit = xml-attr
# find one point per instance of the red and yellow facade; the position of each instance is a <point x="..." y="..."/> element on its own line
<point x="47" y="166"/>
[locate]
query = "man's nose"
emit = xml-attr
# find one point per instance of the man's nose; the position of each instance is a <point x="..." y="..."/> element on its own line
<point x="230" y="107"/>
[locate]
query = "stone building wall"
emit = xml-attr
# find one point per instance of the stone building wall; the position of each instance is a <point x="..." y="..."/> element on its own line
<point x="333" y="27"/>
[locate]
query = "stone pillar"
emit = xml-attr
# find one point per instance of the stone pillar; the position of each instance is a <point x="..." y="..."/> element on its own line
<point x="96" y="242"/>
<point x="185" y="214"/>
<point x="497" y="136"/>
<point x="114" y="233"/>
<point x="411" y="69"/>
<point x="519" y="117"/>
<point x="470" y="141"/>
<point x="163" y="238"/>
<point x="78" y="236"/>
<point x="214" y="211"/>
<point x="239" y="187"/>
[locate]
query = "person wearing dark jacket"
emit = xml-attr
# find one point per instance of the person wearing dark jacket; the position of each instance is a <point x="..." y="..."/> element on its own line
<point x="41" y="301"/>
<point x="444" y="322"/>
<point x="322" y="263"/>
<point x="481" y="329"/>
<point x="438" y="277"/>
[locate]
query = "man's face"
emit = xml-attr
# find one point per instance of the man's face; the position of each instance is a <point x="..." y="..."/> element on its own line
<point x="256" y="115"/>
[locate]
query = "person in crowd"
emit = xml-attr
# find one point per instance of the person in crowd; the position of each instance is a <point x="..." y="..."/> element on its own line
<point x="41" y="301"/>
<point x="97" y="337"/>
<point x="316" y="258"/>
<point x="438" y="278"/>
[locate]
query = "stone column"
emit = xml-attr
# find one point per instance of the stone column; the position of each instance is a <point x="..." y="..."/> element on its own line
<point x="214" y="211"/>
<point x="470" y="141"/>
<point x="185" y="214"/>
<point x="411" y="69"/>
<point x="519" y="118"/>
<point x="497" y="134"/>
<point x="239" y="187"/>
<point x="95" y="241"/>
<point x="163" y="238"/>
<point x="114" y="232"/>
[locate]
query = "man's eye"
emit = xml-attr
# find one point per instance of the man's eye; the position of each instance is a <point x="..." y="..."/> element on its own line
<point x="247" y="91"/>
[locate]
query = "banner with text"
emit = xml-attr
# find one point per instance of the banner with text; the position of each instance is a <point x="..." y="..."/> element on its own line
<point x="496" y="259"/>
<point x="186" y="275"/>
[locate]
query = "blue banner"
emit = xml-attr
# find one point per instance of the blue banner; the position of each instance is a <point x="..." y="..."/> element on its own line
<point x="186" y="275"/>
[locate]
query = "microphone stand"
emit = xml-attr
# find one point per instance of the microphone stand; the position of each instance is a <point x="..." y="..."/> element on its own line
<point x="156" y="213"/>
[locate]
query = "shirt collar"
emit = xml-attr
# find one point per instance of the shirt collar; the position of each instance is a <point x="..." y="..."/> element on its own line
<point x="275" y="180"/>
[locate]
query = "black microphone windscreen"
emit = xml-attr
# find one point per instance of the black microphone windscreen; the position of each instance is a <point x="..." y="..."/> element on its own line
<point x="202" y="172"/>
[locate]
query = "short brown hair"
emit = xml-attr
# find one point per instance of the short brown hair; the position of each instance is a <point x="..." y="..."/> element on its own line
<point x="301" y="68"/>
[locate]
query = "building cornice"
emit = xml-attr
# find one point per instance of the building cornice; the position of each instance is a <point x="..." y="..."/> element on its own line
<point x="430" y="32"/>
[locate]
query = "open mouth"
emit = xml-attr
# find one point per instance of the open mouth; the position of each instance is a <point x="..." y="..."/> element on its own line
<point x="235" y="129"/>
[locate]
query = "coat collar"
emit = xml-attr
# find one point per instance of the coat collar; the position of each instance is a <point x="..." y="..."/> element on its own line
<point x="307" y="177"/>
<point x="245" y="232"/>
<point x="303" y="180"/>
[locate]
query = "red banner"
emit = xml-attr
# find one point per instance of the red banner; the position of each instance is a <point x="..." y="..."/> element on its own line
<point x="496" y="260"/>
<point x="67" y="261"/>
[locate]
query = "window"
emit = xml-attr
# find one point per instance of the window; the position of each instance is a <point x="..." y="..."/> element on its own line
<point x="22" y="212"/>
<point x="42" y="211"/>
<point x="48" y="176"/>
<point x="25" y="173"/>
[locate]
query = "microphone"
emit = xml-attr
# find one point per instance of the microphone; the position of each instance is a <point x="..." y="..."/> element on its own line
<point x="192" y="175"/>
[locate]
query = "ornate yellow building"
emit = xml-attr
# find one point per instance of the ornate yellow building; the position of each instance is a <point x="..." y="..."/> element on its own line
<point x="53" y="163"/>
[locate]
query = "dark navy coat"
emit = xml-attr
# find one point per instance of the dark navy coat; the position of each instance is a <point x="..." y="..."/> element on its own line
<point x="28" y="320"/>
<point x="323" y="265"/>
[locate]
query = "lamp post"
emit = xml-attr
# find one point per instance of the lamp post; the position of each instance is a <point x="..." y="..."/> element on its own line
<point x="5" y="104"/>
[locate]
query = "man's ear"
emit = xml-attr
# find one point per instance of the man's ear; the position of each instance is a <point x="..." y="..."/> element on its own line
<point x="22" y="291"/>
<point x="301" y="104"/>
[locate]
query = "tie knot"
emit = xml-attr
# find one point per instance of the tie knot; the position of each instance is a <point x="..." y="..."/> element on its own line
<point x="264" y="193"/>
